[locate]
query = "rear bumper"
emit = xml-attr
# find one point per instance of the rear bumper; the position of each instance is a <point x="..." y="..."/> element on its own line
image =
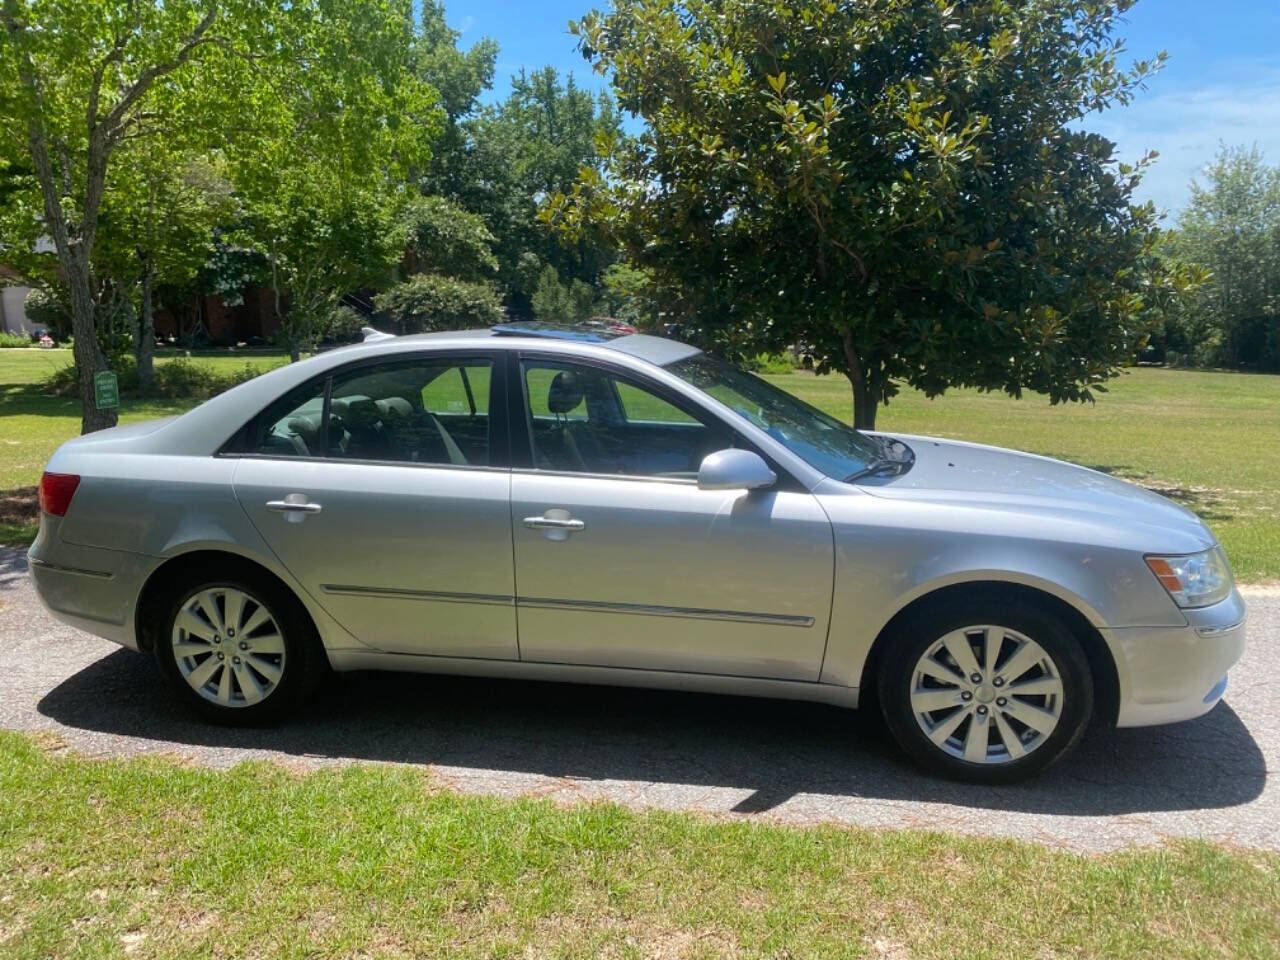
<point x="88" y="588"/>
<point x="1168" y="674"/>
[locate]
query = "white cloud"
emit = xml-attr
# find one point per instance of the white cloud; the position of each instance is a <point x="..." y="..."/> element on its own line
<point x="466" y="24"/>
<point x="1188" y="125"/>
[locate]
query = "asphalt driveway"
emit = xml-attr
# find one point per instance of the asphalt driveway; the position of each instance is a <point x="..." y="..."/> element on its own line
<point x="790" y="762"/>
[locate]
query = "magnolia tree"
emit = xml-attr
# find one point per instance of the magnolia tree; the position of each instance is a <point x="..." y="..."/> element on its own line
<point x="903" y="188"/>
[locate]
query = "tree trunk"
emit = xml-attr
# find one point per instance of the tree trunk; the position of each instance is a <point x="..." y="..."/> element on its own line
<point x="145" y="347"/>
<point x="865" y="404"/>
<point x="88" y="355"/>
<point x="866" y="400"/>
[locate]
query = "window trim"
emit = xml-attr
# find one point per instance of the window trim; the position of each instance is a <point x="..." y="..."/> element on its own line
<point x="522" y="460"/>
<point x="499" y="434"/>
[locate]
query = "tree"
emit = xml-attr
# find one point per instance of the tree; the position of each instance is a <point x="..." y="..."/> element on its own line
<point x="532" y="144"/>
<point x="460" y="77"/>
<point x="561" y="302"/>
<point x="451" y="265"/>
<point x="325" y="158"/>
<point x="1231" y="227"/>
<point x="443" y="238"/>
<point x="77" y="80"/>
<point x="157" y="230"/>
<point x="900" y="187"/>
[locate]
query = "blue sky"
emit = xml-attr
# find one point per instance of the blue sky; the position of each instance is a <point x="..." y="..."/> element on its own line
<point x="1222" y="82"/>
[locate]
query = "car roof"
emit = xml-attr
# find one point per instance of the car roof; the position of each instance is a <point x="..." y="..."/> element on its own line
<point x="524" y="335"/>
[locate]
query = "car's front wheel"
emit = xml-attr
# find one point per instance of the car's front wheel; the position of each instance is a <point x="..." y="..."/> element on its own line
<point x="238" y="650"/>
<point x="985" y="692"/>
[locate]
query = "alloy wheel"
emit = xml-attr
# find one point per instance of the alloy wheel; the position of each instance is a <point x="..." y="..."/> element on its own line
<point x="228" y="647"/>
<point x="986" y="694"/>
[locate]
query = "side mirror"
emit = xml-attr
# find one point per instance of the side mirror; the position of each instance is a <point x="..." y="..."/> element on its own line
<point x="735" y="470"/>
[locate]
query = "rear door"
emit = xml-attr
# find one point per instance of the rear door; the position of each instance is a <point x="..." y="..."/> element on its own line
<point x="622" y="561"/>
<point x="385" y="490"/>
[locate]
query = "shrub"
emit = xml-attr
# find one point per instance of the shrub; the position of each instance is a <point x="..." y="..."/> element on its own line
<point x="13" y="340"/>
<point x="771" y="363"/>
<point x="344" y="323"/>
<point x="431" y="302"/>
<point x="178" y="379"/>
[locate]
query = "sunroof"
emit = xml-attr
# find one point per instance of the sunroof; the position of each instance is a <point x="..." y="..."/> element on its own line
<point x="581" y="332"/>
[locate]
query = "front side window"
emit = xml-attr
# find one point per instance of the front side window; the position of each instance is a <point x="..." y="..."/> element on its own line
<point x="820" y="440"/>
<point x="417" y="411"/>
<point x="586" y="420"/>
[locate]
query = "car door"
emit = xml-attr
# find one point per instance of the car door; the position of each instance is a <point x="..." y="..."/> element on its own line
<point x="385" y="490"/>
<point x="622" y="561"/>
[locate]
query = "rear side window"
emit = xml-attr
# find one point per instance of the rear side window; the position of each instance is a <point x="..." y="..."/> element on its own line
<point x="415" y="411"/>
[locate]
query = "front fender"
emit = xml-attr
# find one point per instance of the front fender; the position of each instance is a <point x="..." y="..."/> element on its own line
<point x="887" y="558"/>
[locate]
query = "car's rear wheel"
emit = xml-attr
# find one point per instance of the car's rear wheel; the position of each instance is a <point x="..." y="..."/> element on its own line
<point x="985" y="692"/>
<point x="238" y="649"/>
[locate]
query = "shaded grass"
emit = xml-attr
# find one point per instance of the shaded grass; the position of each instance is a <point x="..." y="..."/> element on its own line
<point x="1209" y="440"/>
<point x="154" y="859"/>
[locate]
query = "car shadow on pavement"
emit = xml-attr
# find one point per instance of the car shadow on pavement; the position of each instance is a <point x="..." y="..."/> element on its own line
<point x="774" y="749"/>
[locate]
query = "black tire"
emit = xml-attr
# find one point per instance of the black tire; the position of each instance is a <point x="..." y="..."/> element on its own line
<point x="303" y="664"/>
<point x="919" y="632"/>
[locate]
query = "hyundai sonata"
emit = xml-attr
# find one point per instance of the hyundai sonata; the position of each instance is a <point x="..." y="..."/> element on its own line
<point x="592" y="505"/>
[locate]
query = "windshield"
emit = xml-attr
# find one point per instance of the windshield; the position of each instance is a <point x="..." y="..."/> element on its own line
<point x="821" y="441"/>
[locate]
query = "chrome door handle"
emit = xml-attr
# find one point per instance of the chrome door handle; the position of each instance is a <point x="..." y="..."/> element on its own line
<point x="295" y="507"/>
<point x="553" y="523"/>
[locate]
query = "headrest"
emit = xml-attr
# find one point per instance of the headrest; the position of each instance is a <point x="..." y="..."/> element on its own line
<point x="305" y="427"/>
<point x="565" y="393"/>
<point x="395" y="405"/>
<point x="356" y="412"/>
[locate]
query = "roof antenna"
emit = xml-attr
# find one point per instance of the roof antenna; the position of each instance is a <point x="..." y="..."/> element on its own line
<point x="372" y="336"/>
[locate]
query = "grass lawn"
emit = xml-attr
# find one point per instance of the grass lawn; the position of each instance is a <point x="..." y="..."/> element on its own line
<point x="1209" y="440"/>
<point x="148" y="858"/>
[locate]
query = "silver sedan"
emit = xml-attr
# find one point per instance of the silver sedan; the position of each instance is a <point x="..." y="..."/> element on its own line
<point x="575" y="505"/>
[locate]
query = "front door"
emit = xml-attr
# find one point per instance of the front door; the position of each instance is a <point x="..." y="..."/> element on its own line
<point x="379" y="493"/>
<point x="622" y="561"/>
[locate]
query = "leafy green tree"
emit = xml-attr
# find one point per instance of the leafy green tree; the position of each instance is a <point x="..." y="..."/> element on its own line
<point x="532" y="144"/>
<point x="630" y="295"/>
<point x="460" y="77"/>
<point x="157" y="230"/>
<point x="901" y="187"/>
<point x="324" y="161"/>
<point x="451" y="265"/>
<point x="445" y="239"/>
<point x="1231" y="227"/>
<point x="562" y="302"/>
<point x="78" y="78"/>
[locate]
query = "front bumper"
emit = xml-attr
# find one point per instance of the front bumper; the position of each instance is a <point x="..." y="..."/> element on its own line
<point x="1169" y="674"/>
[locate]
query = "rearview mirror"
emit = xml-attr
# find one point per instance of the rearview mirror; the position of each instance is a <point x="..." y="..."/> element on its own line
<point x="735" y="470"/>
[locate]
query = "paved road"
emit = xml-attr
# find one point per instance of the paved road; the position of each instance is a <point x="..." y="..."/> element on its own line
<point x="789" y="762"/>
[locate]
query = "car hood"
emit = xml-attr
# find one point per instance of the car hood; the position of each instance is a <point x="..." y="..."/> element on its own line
<point x="951" y="471"/>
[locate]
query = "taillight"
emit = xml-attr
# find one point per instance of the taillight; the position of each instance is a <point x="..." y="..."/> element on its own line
<point x="56" y="491"/>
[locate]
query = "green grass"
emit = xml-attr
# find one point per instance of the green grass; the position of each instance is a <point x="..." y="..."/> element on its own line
<point x="149" y="858"/>
<point x="1209" y="440"/>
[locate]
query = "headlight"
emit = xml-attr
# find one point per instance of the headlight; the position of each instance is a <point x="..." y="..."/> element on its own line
<point x="1196" y="579"/>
